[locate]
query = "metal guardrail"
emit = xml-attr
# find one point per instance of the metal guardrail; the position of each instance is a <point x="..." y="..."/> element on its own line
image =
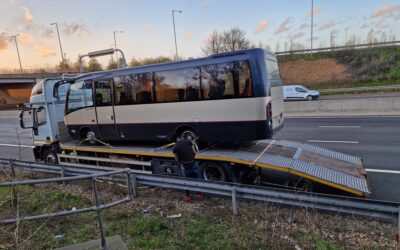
<point x="94" y="177"/>
<point x="360" y="88"/>
<point x="389" y="211"/>
<point x="335" y="48"/>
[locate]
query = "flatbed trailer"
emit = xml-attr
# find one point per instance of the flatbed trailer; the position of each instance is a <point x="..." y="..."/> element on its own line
<point x="232" y="162"/>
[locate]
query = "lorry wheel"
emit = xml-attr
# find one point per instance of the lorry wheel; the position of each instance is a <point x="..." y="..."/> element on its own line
<point x="212" y="171"/>
<point x="309" y="98"/>
<point x="49" y="157"/>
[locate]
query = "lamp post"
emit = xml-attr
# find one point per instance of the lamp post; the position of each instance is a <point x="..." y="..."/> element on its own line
<point x="312" y="24"/>
<point x="59" y="41"/>
<point x="173" y="22"/>
<point x="16" y="45"/>
<point x="115" y="44"/>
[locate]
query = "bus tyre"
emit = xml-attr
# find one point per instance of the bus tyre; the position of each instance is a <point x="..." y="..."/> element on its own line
<point x="212" y="171"/>
<point x="187" y="134"/>
<point x="90" y="137"/>
<point x="49" y="156"/>
<point x="309" y="98"/>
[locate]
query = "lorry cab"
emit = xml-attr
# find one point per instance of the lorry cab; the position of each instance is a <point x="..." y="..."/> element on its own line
<point x="42" y="114"/>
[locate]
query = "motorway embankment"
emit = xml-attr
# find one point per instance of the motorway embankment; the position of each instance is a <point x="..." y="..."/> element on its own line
<point x="387" y="106"/>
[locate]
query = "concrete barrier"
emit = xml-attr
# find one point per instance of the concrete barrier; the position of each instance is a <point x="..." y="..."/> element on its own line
<point x="344" y="107"/>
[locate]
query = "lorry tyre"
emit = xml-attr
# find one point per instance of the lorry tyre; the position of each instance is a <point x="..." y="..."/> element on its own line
<point x="212" y="171"/>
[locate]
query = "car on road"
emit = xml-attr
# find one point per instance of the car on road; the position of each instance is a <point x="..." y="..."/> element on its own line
<point x="299" y="92"/>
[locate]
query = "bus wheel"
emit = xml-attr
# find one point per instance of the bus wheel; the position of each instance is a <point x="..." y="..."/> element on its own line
<point x="187" y="134"/>
<point x="212" y="171"/>
<point x="89" y="136"/>
<point x="49" y="157"/>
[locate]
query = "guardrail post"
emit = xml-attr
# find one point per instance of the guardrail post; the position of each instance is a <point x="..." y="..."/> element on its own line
<point x="234" y="202"/>
<point x="13" y="193"/>
<point x="398" y="227"/>
<point x="62" y="169"/>
<point x="96" y="197"/>
<point x="134" y="185"/>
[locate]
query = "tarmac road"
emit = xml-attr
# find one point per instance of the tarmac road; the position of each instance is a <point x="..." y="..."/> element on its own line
<point x="375" y="139"/>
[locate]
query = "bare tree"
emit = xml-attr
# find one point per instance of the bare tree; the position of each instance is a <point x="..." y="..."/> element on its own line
<point x="235" y="39"/>
<point x="213" y="44"/>
<point x="94" y="65"/>
<point x="112" y="64"/>
<point x="231" y="40"/>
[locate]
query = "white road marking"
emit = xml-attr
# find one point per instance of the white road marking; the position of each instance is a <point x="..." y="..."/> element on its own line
<point x="339" y="126"/>
<point x="16" y="145"/>
<point x="382" y="171"/>
<point x="322" y="141"/>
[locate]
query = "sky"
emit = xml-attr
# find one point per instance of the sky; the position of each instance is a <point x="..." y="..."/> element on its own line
<point x="89" y="25"/>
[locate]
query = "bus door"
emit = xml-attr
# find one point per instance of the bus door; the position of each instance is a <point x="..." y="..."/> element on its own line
<point x="105" y="109"/>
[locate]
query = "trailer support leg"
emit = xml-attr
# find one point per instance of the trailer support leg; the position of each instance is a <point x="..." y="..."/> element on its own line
<point x="234" y="202"/>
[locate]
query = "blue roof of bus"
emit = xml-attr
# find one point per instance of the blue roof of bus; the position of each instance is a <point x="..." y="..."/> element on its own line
<point x="104" y="73"/>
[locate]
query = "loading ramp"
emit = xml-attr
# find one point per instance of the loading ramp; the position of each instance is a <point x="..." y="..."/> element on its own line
<point x="334" y="169"/>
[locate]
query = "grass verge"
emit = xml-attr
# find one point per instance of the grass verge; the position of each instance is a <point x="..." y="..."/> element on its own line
<point x="204" y="224"/>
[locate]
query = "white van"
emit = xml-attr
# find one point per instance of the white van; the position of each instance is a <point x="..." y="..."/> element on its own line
<point x="299" y="92"/>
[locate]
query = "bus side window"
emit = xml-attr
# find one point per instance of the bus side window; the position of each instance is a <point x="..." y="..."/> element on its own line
<point x="123" y="94"/>
<point x="178" y="85"/>
<point x="143" y="83"/>
<point x="245" y="81"/>
<point x="103" y="93"/>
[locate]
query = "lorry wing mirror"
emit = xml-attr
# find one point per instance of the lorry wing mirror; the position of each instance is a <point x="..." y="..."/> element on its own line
<point x="26" y="119"/>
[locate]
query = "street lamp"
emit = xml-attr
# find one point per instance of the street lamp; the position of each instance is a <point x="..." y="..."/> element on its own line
<point x="16" y="45"/>
<point x="345" y="39"/>
<point x="173" y="21"/>
<point x="115" y="44"/>
<point x="312" y="24"/>
<point x="59" y="41"/>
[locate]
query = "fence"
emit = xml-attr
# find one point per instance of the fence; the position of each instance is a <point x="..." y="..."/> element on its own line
<point x="97" y="208"/>
<point x="389" y="211"/>
<point x="327" y="49"/>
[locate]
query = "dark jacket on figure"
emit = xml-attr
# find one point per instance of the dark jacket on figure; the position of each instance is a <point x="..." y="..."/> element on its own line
<point x="185" y="152"/>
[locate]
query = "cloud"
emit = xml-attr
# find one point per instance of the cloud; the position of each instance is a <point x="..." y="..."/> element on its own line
<point x="327" y="25"/>
<point x="27" y="14"/>
<point x="189" y="36"/>
<point x="26" y="38"/>
<point x="13" y="1"/>
<point x="261" y="26"/>
<point x="44" y="49"/>
<point x="148" y="27"/>
<point x="75" y="28"/>
<point x="4" y="39"/>
<point x="47" y="32"/>
<point x="283" y="26"/>
<point x="386" y="10"/>
<point x="315" y="11"/>
<point x="205" y="4"/>
<point x="298" y="35"/>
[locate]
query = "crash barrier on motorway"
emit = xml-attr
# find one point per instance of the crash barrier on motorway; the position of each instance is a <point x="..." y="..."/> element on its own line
<point x="392" y="87"/>
<point x="338" y="107"/>
<point x="388" y="211"/>
<point x="97" y="208"/>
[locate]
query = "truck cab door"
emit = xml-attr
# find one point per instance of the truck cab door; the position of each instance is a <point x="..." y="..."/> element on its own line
<point x="104" y="103"/>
